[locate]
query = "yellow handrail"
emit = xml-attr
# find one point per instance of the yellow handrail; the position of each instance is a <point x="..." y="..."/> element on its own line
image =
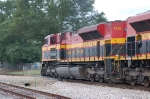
<point x="120" y="49"/>
<point x="113" y="50"/>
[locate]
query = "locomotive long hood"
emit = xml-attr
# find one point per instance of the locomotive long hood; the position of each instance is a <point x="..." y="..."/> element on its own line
<point x="92" y="32"/>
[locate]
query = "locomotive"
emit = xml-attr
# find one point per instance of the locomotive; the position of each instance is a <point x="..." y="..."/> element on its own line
<point x="115" y="51"/>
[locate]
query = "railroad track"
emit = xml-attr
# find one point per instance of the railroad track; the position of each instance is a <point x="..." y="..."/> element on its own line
<point x="123" y="86"/>
<point x="27" y="93"/>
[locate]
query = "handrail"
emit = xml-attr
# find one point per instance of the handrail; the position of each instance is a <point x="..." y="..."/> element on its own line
<point x="113" y="50"/>
<point x="120" y="49"/>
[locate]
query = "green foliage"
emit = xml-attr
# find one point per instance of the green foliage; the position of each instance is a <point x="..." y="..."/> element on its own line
<point x="25" y="23"/>
<point x="26" y="72"/>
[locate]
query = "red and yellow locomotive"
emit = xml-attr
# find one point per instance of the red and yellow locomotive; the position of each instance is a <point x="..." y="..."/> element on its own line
<point x="115" y="51"/>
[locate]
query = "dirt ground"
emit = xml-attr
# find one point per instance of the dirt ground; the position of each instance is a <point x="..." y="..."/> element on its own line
<point x="20" y="72"/>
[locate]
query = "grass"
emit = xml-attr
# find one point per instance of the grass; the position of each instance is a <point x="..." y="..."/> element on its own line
<point x="26" y="72"/>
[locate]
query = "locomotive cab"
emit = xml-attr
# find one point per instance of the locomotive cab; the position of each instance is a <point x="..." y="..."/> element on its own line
<point x="49" y="48"/>
<point x="50" y="54"/>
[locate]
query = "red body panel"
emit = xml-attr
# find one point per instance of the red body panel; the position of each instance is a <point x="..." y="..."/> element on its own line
<point x="66" y="39"/>
<point x="108" y="30"/>
<point x="139" y="17"/>
<point x="101" y="29"/>
<point x="72" y="39"/>
<point x="130" y="30"/>
<point x="115" y="30"/>
<point x="97" y="27"/>
<point x="143" y="17"/>
<point x="88" y="29"/>
<point x="76" y="39"/>
<point x="118" y="29"/>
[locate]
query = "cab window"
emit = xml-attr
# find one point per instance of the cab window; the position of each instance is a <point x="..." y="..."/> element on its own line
<point x="53" y="41"/>
<point x="46" y="41"/>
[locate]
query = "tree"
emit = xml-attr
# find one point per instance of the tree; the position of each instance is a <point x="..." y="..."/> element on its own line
<point x="6" y="10"/>
<point x="72" y="14"/>
<point x="25" y="23"/>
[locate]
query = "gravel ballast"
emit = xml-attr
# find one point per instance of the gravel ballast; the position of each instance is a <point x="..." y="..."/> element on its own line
<point x="4" y="95"/>
<point x="75" y="90"/>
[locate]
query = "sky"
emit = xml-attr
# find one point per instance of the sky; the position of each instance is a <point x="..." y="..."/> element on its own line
<point x="121" y="9"/>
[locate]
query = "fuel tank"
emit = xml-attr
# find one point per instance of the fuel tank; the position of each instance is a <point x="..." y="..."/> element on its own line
<point x="77" y="72"/>
<point x="71" y="71"/>
<point x="63" y="71"/>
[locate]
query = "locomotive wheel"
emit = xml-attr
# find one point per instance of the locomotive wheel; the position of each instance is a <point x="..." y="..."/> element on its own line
<point x="60" y="78"/>
<point x="110" y="81"/>
<point x="133" y="82"/>
<point x="87" y="74"/>
<point x="128" y="78"/>
<point x="140" y="78"/>
<point x="101" y="79"/>
<point x="50" y="74"/>
<point x="92" y="79"/>
<point x="42" y="73"/>
<point x="53" y="75"/>
<point x="146" y="83"/>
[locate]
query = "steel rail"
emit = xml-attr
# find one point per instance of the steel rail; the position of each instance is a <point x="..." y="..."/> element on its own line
<point x="17" y="94"/>
<point x="37" y="91"/>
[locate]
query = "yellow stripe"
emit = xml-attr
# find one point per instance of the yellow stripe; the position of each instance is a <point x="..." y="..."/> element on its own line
<point x="115" y="41"/>
<point x="85" y="44"/>
<point x="142" y="57"/>
<point x="47" y="48"/>
<point x="118" y="40"/>
<point x="145" y="36"/>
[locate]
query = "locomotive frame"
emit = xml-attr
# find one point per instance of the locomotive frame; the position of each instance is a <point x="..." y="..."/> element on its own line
<point x="115" y="51"/>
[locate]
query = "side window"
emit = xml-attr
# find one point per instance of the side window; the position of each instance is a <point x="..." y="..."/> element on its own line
<point x="53" y="40"/>
<point x="139" y="39"/>
<point x="46" y="41"/>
